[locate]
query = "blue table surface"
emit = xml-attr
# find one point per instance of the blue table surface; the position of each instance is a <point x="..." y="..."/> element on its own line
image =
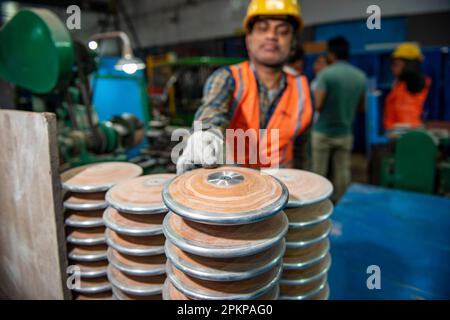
<point x="406" y="234"/>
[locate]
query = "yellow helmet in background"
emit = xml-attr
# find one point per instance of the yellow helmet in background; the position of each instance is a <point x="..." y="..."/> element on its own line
<point x="408" y="51"/>
<point x="273" y="8"/>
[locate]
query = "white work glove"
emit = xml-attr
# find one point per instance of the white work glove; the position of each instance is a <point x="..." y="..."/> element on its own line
<point x="203" y="149"/>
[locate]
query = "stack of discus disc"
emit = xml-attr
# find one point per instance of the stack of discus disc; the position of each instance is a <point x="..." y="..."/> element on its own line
<point x="225" y="235"/>
<point x="135" y="237"/>
<point x="307" y="259"/>
<point x="84" y="204"/>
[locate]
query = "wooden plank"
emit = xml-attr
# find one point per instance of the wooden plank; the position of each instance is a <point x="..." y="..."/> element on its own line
<point x="32" y="246"/>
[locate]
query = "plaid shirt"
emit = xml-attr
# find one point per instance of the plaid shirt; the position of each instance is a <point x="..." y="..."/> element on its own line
<point x="218" y="103"/>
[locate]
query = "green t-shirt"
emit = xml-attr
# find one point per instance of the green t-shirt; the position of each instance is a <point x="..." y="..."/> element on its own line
<point x="343" y="85"/>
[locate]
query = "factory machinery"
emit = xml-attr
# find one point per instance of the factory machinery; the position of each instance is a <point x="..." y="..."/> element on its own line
<point x="51" y="72"/>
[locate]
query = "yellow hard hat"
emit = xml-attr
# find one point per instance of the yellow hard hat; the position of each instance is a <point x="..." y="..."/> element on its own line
<point x="408" y="51"/>
<point x="281" y="8"/>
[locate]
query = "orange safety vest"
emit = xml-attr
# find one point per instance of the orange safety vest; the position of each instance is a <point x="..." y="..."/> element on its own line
<point x="292" y="115"/>
<point x="404" y="107"/>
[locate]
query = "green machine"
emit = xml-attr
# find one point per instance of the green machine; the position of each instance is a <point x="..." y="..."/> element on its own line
<point x="38" y="54"/>
<point x="418" y="163"/>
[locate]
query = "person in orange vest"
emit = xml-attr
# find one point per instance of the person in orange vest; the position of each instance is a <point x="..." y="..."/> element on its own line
<point x="404" y="104"/>
<point x="253" y="109"/>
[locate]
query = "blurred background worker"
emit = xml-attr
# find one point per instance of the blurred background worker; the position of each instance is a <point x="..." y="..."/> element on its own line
<point x="404" y="104"/>
<point x="255" y="94"/>
<point x="319" y="64"/>
<point x="302" y="145"/>
<point x="338" y="93"/>
<point x="296" y="62"/>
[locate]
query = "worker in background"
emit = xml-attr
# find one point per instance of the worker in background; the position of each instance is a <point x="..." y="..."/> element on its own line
<point x="254" y="94"/>
<point x="319" y="64"/>
<point x="404" y="104"/>
<point x="296" y="63"/>
<point x="339" y="91"/>
<point x="302" y="145"/>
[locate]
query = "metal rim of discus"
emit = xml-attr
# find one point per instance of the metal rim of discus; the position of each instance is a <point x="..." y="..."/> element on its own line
<point x="106" y="286"/>
<point x="134" y="271"/>
<point x="307" y="295"/>
<point x="96" y="188"/>
<point x="298" y="225"/>
<point x="119" y="295"/>
<point x="223" y="252"/>
<point x="151" y="251"/>
<point x="87" y="241"/>
<point x="129" y="231"/>
<point x="307" y="243"/>
<point x="138" y="291"/>
<point x="215" y="218"/>
<point x="166" y="295"/>
<point x="85" y="206"/>
<point x="93" y="273"/>
<point x="165" y="290"/>
<point x="301" y="203"/>
<point x="220" y="275"/>
<point x="307" y="263"/>
<point x="88" y="223"/>
<point x="87" y="257"/>
<point x="87" y="189"/>
<point x="198" y="295"/>
<point x="144" y="210"/>
<point x="301" y="281"/>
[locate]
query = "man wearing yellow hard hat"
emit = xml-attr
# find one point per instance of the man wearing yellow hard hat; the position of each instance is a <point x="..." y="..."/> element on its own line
<point x="404" y="104"/>
<point x="254" y="95"/>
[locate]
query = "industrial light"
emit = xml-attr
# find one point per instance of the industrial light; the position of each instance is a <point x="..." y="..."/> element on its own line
<point x="128" y="63"/>
<point x="93" y="45"/>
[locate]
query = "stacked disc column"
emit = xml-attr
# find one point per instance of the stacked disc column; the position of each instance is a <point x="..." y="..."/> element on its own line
<point x="84" y="204"/>
<point x="135" y="237"/>
<point x="307" y="259"/>
<point x="225" y="235"/>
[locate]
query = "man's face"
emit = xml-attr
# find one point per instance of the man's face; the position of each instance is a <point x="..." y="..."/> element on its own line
<point x="269" y="42"/>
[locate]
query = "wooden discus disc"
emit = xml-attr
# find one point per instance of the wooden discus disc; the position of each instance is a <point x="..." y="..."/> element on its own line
<point x="304" y="216"/>
<point x="137" y="265"/>
<point x="136" y="285"/>
<point x="98" y="177"/>
<point x="225" y="241"/>
<point x="87" y="253"/>
<point x="94" y="269"/>
<point x="107" y="295"/>
<point x="307" y="236"/>
<point x="170" y="292"/>
<point x="86" y="236"/>
<point x="135" y="246"/>
<point x="304" y="187"/>
<point x="85" y="201"/>
<point x="93" y="285"/>
<point x="323" y="294"/>
<point x="302" y="292"/>
<point x="133" y="225"/>
<point x="297" y="258"/>
<point x="84" y="219"/>
<point x="120" y="295"/>
<point x="225" y="195"/>
<point x="225" y="269"/>
<point x="215" y="290"/>
<point x="306" y="275"/>
<point x="140" y="195"/>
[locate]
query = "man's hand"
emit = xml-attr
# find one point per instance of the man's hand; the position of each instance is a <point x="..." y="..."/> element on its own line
<point x="203" y="148"/>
